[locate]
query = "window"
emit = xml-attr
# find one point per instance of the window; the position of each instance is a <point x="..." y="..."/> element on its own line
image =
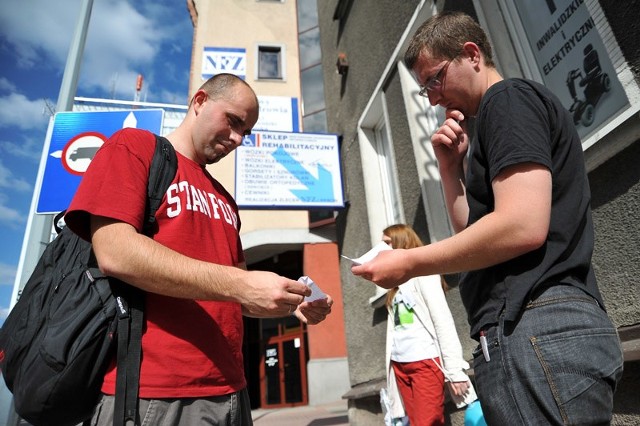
<point x="384" y="202"/>
<point x="307" y="15"/>
<point x="312" y="91"/>
<point x="310" y="53"/>
<point x="314" y="115"/>
<point x="386" y="163"/>
<point x="316" y="122"/>
<point x="270" y="63"/>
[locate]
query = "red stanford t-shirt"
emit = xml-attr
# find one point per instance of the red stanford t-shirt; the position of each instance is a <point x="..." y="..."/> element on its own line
<point x="190" y="348"/>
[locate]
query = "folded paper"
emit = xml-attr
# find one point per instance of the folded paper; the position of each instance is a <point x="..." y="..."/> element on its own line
<point x="381" y="246"/>
<point x="316" y="293"/>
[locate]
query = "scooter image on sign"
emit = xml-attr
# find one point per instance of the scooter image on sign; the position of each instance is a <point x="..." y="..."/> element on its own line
<point x="595" y="83"/>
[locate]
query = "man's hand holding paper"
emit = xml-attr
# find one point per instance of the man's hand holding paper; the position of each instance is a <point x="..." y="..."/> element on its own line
<point x="386" y="268"/>
<point x="316" y="306"/>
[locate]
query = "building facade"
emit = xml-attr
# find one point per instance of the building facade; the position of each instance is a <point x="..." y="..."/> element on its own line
<point x="274" y="46"/>
<point x="390" y="173"/>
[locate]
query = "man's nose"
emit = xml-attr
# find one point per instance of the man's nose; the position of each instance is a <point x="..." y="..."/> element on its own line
<point x="236" y="138"/>
<point x="434" y="97"/>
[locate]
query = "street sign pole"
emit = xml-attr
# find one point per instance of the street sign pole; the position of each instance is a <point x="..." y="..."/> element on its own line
<point x="38" y="230"/>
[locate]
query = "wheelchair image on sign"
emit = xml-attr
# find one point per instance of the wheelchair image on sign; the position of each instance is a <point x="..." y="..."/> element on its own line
<point x="595" y="83"/>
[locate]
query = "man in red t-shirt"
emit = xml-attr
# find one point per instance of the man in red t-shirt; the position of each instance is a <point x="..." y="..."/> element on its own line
<point x="192" y="269"/>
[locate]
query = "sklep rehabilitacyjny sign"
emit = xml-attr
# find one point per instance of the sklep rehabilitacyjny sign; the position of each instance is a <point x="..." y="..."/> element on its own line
<point x="289" y="170"/>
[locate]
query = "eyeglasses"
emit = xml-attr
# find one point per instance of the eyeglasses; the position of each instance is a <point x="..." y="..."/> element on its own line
<point x="434" y="82"/>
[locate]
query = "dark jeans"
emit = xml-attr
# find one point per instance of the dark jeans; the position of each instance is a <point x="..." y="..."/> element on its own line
<point x="557" y="365"/>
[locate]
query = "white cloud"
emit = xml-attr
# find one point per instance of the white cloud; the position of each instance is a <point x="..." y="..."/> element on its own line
<point x="121" y="41"/>
<point x="16" y="110"/>
<point x="11" y="217"/>
<point x="4" y="313"/>
<point x="7" y="274"/>
<point x="174" y="98"/>
<point x="28" y="147"/>
<point x="124" y="42"/>
<point x="9" y="181"/>
<point x="39" y="30"/>
<point x="6" y="85"/>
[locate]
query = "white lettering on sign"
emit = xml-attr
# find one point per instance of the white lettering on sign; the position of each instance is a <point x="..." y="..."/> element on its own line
<point x="224" y="60"/>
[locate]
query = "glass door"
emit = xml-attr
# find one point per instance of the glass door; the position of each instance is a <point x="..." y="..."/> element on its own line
<point x="283" y="372"/>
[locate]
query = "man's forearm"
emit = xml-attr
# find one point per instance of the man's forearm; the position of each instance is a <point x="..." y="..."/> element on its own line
<point x="455" y="198"/>
<point x="144" y="263"/>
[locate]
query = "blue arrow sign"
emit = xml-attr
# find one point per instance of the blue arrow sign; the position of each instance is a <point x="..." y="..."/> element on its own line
<point x="318" y="190"/>
<point x="75" y="138"/>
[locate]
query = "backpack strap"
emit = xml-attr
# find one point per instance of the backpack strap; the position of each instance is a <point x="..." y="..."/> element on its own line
<point x="161" y="174"/>
<point x="131" y="299"/>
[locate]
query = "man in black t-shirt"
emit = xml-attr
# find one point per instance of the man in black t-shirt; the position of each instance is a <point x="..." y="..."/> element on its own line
<point x="518" y="198"/>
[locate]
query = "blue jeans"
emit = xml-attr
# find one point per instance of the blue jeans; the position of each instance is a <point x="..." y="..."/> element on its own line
<point x="557" y="365"/>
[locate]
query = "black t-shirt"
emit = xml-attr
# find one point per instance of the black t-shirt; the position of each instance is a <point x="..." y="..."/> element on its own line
<point x="521" y="121"/>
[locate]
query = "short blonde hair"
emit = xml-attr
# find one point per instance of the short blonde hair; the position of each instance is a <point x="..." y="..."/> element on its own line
<point x="402" y="237"/>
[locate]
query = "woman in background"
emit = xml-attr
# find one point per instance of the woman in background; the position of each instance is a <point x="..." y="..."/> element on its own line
<point x="423" y="349"/>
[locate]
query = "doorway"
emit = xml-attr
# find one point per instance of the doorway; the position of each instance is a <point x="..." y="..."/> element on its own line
<point x="283" y="372"/>
<point x="275" y="349"/>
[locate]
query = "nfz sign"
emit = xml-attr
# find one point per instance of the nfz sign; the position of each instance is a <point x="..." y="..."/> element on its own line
<point x="75" y="138"/>
<point x="218" y="60"/>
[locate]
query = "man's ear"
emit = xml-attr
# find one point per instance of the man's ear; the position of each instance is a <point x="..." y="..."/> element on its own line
<point x="198" y="100"/>
<point x="471" y="51"/>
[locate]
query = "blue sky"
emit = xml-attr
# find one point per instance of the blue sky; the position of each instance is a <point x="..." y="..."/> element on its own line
<point x="125" y="38"/>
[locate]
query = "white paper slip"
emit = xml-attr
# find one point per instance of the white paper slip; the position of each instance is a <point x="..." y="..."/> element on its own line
<point x="316" y="293"/>
<point x="381" y="246"/>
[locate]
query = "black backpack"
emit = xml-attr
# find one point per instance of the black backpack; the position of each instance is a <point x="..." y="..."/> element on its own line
<point x="59" y="338"/>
